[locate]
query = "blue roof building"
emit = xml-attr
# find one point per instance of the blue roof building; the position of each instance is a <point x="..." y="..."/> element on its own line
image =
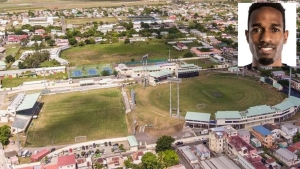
<point x="262" y="130"/>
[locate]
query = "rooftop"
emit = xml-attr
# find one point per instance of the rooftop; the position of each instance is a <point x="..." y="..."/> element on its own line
<point x="238" y="143"/>
<point x="228" y="115"/>
<point x="132" y="141"/>
<point x="196" y="116"/>
<point x="260" y="110"/>
<point x="161" y="73"/>
<point x="66" y="160"/>
<point x="262" y="130"/>
<point x="29" y="101"/>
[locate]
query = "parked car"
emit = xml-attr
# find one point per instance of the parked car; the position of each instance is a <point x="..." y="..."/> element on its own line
<point x="105" y="143"/>
<point x="178" y="143"/>
<point x="53" y="149"/>
<point x="109" y="143"/>
<point x="83" y="147"/>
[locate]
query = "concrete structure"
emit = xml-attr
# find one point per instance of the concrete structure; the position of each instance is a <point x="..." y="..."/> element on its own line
<point x="202" y="151"/>
<point x="286" y="156"/>
<point x="295" y="84"/>
<point x="289" y="129"/>
<point x="216" y="140"/>
<point x="197" y="119"/>
<point x="255" y="142"/>
<point x="43" y="21"/>
<point x="249" y="162"/>
<point x="245" y="135"/>
<point x="236" y="145"/>
<point x="188" y="154"/>
<point x="263" y="135"/>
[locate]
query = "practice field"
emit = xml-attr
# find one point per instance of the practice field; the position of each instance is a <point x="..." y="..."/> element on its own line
<point x="96" y="114"/>
<point x="118" y="52"/>
<point x="217" y="91"/>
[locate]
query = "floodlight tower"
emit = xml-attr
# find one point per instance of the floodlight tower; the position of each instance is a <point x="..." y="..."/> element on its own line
<point x="174" y="80"/>
<point x="290" y="80"/>
<point x="145" y="72"/>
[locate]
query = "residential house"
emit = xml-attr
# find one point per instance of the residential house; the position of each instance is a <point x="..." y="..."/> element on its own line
<point x="289" y="129"/>
<point x="271" y="161"/>
<point x="297" y="146"/>
<point x="278" y="74"/>
<point x="11" y="157"/>
<point x="181" y="46"/>
<point x="66" y="162"/>
<point x="263" y="135"/>
<point x="245" y="135"/>
<point x="236" y="145"/>
<point x="202" y="151"/>
<point x="115" y="162"/>
<point x="16" y="38"/>
<point x="216" y="139"/>
<point x="295" y="84"/>
<point x="275" y="130"/>
<point x="292" y="149"/>
<point x="188" y="154"/>
<point x="285" y="155"/>
<point x="62" y="42"/>
<point x="84" y="163"/>
<point x="255" y="142"/>
<point x="39" y="32"/>
<point x="137" y="157"/>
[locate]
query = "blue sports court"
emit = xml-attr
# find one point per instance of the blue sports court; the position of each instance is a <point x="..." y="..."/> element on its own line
<point x="92" y="72"/>
<point x="77" y="73"/>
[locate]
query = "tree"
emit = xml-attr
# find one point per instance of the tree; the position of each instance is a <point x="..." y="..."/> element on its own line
<point x="72" y="41"/>
<point x="81" y="43"/>
<point x="188" y="55"/>
<point x="164" y="143"/>
<point x="98" y="166"/>
<point x="126" y="41"/>
<point x="168" y="158"/>
<point x="21" y="65"/>
<point x="115" y="73"/>
<point x="9" y="59"/>
<point x="105" y="73"/>
<point x="149" y="161"/>
<point x="5" y="134"/>
<point x="37" y="38"/>
<point x="51" y="42"/>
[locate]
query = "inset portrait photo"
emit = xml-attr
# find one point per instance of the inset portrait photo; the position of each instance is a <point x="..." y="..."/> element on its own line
<point x="267" y="34"/>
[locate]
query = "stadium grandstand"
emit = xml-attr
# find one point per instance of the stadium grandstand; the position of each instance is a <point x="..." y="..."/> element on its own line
<point x="159" y="77"/>
<point x="271" y="82"/>
<point x="253" y="116"/>
<point x="187" y="71"/>
<point x="23" y="108"/>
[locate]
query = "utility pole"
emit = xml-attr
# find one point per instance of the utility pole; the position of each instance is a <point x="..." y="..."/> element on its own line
<point x="169" y="56"/>
<point x="290" y="81"/>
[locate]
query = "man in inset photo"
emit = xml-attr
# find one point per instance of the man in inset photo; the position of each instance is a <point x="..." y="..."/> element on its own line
<point x="266" y="34"/>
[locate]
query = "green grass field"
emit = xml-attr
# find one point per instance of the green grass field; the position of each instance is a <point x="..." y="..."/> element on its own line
<point x="219" y="92"/>
<point x="14" y="82"/>
<point x="96" y="114"/>
<point x="118" y="52"/>
<point x="88" y="20"/>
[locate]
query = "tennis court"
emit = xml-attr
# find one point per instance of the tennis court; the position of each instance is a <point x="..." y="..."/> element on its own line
<point x="107" y="69"/>
<point x="92" y="72"/>
<point x="76" y="73"/>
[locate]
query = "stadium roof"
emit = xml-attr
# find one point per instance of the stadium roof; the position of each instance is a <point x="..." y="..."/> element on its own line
<point x="132" y="141"/>
<point x="262" y="130"/>
<point x="188" y="70"/>
<point x="229" y="163"/>
<point x="277" y="86"/>
<point x="148" y="68"/>
<point x="187" y="65"/>
<point x="259" y="110"/>
<point x="15" y="103"/>
<point x="161" y="73"/>
<point x="294" y="100"/>
<point x="195" y="116"/>
<point x="20" y="122"/>
<point x="284" y="105"/>
<point x="29" y="101"/>
<point x="218" y="163"/>
<point x="228" y="115"/>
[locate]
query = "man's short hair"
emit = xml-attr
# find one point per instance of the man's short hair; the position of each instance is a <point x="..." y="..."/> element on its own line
<point x="277" y="6"/>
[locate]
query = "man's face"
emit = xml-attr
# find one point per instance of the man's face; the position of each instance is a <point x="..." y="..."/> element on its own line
<point x="266" y="35"/>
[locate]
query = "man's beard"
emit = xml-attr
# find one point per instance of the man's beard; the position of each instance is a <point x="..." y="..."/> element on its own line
<point x="266" y="61"/>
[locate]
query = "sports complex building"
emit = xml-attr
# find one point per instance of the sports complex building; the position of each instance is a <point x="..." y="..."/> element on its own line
<point x="159" y="73"/>
<point x="253" y="116"/>
<point x="22" y="109"/>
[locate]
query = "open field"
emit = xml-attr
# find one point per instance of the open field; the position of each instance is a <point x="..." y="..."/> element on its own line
<point x="12" y="49"/>
<point x="118" y="52"/>
<point x="96" y="114"/>
<point x="21" y="5"/>
<point x="14" y="82"/>
<point x="219" y="92"/>
<point x="88" y="20"/>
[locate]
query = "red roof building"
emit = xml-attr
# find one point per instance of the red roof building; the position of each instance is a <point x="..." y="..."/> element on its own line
<point x="67" y="161"/>
<point x="256" y="162"/>
<point x="16" y="38"/>
<point x="38" y="156"/>
<point x="297" y="145"/>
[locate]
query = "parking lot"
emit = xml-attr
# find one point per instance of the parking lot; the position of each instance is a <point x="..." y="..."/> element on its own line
<point x="90" y="149"/>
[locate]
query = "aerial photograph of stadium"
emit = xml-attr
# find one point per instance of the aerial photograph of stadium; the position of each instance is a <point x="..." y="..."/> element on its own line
<point x="149" y="84"/>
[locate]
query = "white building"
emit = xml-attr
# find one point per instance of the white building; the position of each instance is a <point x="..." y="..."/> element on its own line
<point x="289" y="129"/>
<point x="43" y="21"/>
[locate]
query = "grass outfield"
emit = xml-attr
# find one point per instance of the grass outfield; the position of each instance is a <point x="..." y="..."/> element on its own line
<point x="96" y="114"/>
<point x="217" y="91"/>
<point x="118" y="52"/>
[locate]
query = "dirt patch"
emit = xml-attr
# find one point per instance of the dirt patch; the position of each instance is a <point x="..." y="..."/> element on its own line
<point x="168" y="130"/>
